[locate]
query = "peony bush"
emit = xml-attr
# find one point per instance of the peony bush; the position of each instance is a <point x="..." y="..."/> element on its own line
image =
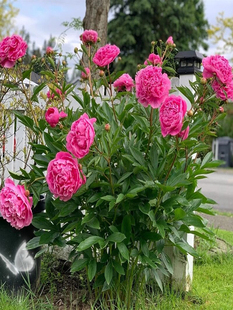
<point x="119" y="172"/>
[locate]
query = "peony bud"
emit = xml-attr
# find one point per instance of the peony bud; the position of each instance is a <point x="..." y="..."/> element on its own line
<point x="203" y="81"/>
<point x="33" y="57"/>
<point x="80" y="167"/>
<point x="20" y="60"/>
<point x="153" y="43"/>
<point x="76" y="50"/>
<point x="221" y="109"/>
<point x="101" y="73"/>
<point x="107" y="127"/>
<point x="64" y="63"/>
<point x="190" y="113"/>
<point x="49" y="50"/>
<point x="27" y="193"/>
<point x="119" y="58"/>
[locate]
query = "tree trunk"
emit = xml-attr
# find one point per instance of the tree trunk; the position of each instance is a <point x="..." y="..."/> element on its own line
<point x="96" y="18"/>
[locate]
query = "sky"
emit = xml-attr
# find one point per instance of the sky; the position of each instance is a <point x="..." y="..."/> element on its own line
<point x="43" y="18"/>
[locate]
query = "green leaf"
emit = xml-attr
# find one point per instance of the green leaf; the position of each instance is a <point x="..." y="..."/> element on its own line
<point x="116" y="237"/>
<point x="144" y="208"/>
<point x="108" y="198"/>
<point x="36" y="90"/>
<point x="167" y="262"/>
<point x="87" y="243"/>
<point x="125" y="176"/>
<point x="49" y="142"/>
<point x="117" y="266"/>
<point x="33" y="243"/>
<point x="25" y="120"/>
<point x="123" y="250"/>
<point x="206" y="159"/>
<point x="17" y="176"/>
<point x="78" y="264"/>
<point x="39" y="221"/>
<point x="126" y="227"/>
<point x="137" y="155"/>
<point x="94" y="223"/>
<point x="144" y="247"/>
<point x="108" y="273"/>
<point x="179" y="214"/>
<point x="120" y="197"/>
<point x="91" y="269"/>
<point x="158" y="280"/>
<point x="186" y="248"/>
<point x="187" y="93"/>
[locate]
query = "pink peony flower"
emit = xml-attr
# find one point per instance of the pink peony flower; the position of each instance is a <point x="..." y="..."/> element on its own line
<point x="105" y="55"/>
<point x="15" y="206"/>
<point x="184" y="133"/>
<point x="49" y="50"/>
<point x="152" y="86"/>
<point x="64" y="177"/>
<point x="124" y="83"/>
<point x="52" y="116"/>
<point x="170" y="41"/>
<point x="217" y="66"/>
<point x="171" y="115"/>
<point x="89" y="37"/>
<point x="81" y="136"/>
<point x="154" y="60"/>
<point x="11" y="49"/>
<point x="223" y="92"/>
<point x="85" y="75"/>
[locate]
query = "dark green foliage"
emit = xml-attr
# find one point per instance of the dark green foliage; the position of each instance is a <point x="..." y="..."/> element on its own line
<point x="137" y="22"/>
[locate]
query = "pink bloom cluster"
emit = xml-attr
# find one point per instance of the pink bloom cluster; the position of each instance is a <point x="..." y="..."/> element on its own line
<point x="15" y="206"/>
<point x="64" y="177"/>
<point x="124" y="83"/>
<point x="218" y="68"/>
<point x="85" y="75"/>
<point x="154" y="60"/>
<point x="81" y="136"/>
<point x="171" y="116"/>
<point x="170" y="41"/>
<point x="105" y="55"/>
<point x="89" y="37"/>
<point x="223" y="92"/>
<point x="11" y="49"/>
<point x="152" y="86"/>
<point x="52" y="116"/>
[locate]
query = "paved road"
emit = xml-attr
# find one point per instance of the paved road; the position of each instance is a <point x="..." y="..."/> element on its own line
<point x="219" y="187"/>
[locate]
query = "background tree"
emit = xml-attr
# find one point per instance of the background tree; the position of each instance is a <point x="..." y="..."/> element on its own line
<point x="222" y="32"/>
<point x="137" y="22"/>
<point x="7" y="14"/>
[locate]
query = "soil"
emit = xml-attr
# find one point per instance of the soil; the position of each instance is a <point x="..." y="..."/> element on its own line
<point x="62" y="289"/>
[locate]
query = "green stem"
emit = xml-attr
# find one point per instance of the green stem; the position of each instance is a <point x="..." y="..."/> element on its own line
<point x="151" y="131"/>
<point x="88" y="284"/>
<point x="111" y="95"/>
